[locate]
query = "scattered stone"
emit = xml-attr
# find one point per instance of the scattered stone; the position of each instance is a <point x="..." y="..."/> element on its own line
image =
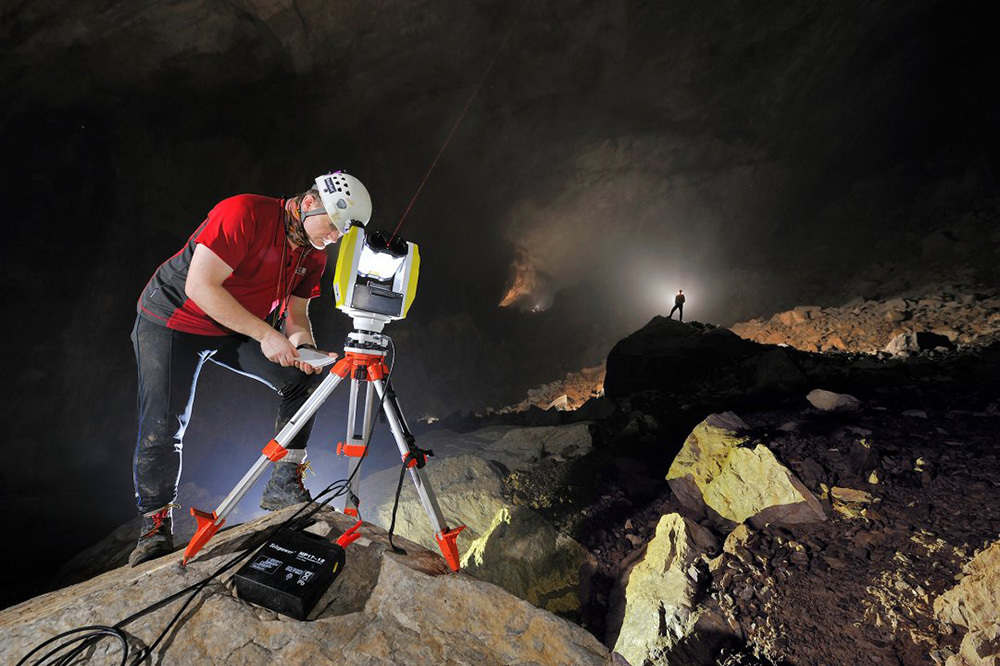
<point x="829" y="401"/>
<point x="575" y="391"/>
<point x="851" y="495"/>
<point x="834" y="342"/>
<point x="561" y="403"/>
<point x="905" y="343"/>
<point x="848" y="511"/>
<point x="799" y="557"/>
<point x="867" y="326"/>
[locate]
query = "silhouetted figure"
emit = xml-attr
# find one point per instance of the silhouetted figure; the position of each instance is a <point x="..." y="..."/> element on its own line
<point x="678" y="305"/>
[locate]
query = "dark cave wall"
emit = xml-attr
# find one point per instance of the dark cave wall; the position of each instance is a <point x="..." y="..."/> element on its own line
<point x="751" y="150"/>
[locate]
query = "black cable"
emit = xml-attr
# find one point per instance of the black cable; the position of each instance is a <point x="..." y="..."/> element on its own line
<point x="98" y="632"/>
<point x="199" y="586"/>
<point x="412" y="455"/>
<point x="395" y="505"/>
<point x="88" y="639"/>
<point x="92" y="635"/>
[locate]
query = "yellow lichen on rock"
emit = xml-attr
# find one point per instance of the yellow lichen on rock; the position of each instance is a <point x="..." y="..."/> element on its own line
<point x="526" y="556"/>
<point x="473" y="555"/>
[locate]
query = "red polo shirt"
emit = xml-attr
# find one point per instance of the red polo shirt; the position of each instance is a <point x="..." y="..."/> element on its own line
<point x="248" y="233"/>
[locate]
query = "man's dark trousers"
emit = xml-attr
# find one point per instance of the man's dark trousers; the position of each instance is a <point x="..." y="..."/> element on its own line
<point x="169" y="362"/>
<point x="680" y="315"/>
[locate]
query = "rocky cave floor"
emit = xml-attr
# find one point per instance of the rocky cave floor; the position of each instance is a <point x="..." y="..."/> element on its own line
<point x="909" y="482"/>
<point x="919" y="464"/>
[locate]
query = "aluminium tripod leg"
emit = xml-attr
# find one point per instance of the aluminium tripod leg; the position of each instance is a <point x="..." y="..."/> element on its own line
<point x="446" y="538"/>
<point x="209" y="523"/>
<point x="355" y="447"/>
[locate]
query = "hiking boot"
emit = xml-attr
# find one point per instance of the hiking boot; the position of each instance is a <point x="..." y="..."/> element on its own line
<point x="156" y="537"/>
<point x="285" y="487"/>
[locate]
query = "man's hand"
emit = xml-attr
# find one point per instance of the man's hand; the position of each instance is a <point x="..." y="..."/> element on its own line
<point x="310" y="370"/>
<point x="278" y="349"/>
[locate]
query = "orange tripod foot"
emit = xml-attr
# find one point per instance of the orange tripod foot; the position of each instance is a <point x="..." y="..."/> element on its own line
<point x="449" y="548"/>
<point x="206" y="530"/>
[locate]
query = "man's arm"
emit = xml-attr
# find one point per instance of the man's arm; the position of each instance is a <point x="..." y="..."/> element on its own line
<point x="204" y="286"/>
<point x="298" y="328"/>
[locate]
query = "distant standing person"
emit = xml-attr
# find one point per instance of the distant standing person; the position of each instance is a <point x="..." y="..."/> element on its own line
<point x="678" y="305"/>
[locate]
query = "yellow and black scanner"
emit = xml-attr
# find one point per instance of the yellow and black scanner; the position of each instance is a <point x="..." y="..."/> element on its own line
<point x="376" y="275"/>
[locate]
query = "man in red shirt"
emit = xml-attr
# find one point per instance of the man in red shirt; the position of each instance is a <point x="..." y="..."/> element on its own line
<point x="237" y="294"/>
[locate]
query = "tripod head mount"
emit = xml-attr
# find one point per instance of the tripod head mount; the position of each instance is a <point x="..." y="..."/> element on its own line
<point x="360" y="341"/>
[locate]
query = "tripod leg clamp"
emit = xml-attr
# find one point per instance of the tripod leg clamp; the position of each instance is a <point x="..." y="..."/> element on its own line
<point x="274" y="451"/>
<point x="352" y="450"/>
<point x="342" y="368"/>
<point x="416" y="457"/>
<point x="377" y="371"/>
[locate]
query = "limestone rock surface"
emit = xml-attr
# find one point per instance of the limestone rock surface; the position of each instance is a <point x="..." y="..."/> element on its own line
<point x="528" y="557"/>
<point x="718" y="473"/>
<point x="509" y="545"/>
<point x="663" y="620"/>
<point x="511" y="446"/>
<point x="974" y="604"/>
<point x="385" y="608"/>
<point x="112" y="551"/>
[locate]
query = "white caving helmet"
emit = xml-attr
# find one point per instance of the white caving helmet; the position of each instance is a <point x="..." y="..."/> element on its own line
<point x="345" y="199"/>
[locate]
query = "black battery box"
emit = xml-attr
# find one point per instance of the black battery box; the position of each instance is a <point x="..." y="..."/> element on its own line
<point x="290" y="572"/>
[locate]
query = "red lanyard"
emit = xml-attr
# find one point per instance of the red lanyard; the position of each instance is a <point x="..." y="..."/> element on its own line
<point x="281" y="286"/>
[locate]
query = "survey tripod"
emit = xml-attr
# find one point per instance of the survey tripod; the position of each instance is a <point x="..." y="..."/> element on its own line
<point x="364" y="364"/>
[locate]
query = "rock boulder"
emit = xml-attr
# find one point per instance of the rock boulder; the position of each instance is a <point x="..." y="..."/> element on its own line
<point x="908" y="343"/>
<point x="721" y="474"/>
<point x="828" y="401"/>
<point x="676" y="358"/>
<point x="974" y="605"/>
<point x="529" y="558"/>
<point x="509" y="545"/>
<point x="663" y="621"/>
<point x="384" y="608"/>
